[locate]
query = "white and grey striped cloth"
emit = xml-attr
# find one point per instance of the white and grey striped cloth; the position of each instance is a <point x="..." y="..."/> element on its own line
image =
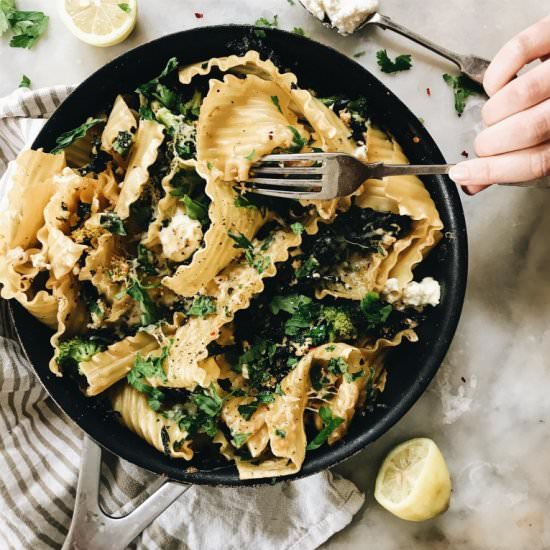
<point x="40" y="449"/>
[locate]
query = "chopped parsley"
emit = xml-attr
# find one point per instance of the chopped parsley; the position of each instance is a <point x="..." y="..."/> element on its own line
<point x="113" y="223"/>
<point x="275" y="101"/>
<point x="337" y="366"/>
<point x="125" y="7"/>
<point x="264" y="23"/>
<point x="238" y="440"/>
<point x="259" y="262"/>
<point x="462" y="88"/>
<point x="330" y="423"/>
<point x="145" y="260"/>
<point x="251" y="155"/>
<point x="149" y="311"/>
<point x="375" y="311"/>
<point x="401" y="63"/>
<point x="280" y="433"/>
<point x="299" y="31"/>
<point x="202" y="306"/>
<point x="297" y="228"/>
<point x="298" y="142"/>
<point x="68" y="138"/>
<point x="151" y="367"/>
<point x="25" y="82"/>
<point x="246" y="411"/>
<point x="196" y="209"/>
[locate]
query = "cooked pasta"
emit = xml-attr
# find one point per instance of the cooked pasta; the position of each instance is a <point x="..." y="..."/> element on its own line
<point x="215" y="319"/>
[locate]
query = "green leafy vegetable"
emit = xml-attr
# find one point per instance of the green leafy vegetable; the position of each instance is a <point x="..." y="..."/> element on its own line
<point x="307" y="267"/>
<point x="246" y="411"/>
<point x="68" y="138"/>
<point x="265" y="24"/>
<point x="155" y="89"/>
<point x="297" y="228"/>
<point x="298" y="141"/>
<point x="209" y="403"/>
<point x="202" y="306"/>
<point x="125" y="7"/>
<point x="238" y="440"/>
<point x="275" y="101"/>
<point x="290" y="303"/>
<point x="25" y="82"/>
<point x="241" y="241"/>
<point x="27" y="26"/>
<point x="299" y="31"/>
<point x="151" y="367"/>
<point x="330" y="423"/>
<point x="149" y="311"/>
<point x="337" y="366"/>
<point x="77" y="350"/>
<point x="193" y="106"/>
<point x="462" y="88"/>
<point x="242" y="200"/>
<point x="145" y="260"/>
<point x="113" y="223"/>
<point x="280" y="433"/>
<point x="196" y="210"/>
<point x="376" y="313"/>
<point x="401" y="63"/>
<point x="122" y="143"/>
<point x="251" y="155"/>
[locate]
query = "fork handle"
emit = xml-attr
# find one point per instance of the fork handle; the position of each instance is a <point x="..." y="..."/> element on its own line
<point x="472" y="66"/>
<point x="381" y="170"/>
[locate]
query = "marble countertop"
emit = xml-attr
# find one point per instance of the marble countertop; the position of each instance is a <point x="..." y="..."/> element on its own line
<point x="488" y="407"/>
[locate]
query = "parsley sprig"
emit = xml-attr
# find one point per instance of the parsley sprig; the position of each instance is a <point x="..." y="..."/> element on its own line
<point x="69" y="137"/>
<point x="330" y="423"/>
<point x="462" y="88"/>
<point x="401" y="63"/>
<point x="146" y="368"/>
<point x="27" y="26"/>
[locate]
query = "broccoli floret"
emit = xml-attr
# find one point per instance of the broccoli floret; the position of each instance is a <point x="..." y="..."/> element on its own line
<point x="192" y="107"/>
<point x="340" y="324"/>
<point x="122" y="143"/>
<point x="76" y="350"/>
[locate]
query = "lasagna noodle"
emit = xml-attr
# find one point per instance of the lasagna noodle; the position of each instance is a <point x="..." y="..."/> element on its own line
<point x="149" y="137"/>
<point x="162" y="433"/>
<point x="121" y="119"/>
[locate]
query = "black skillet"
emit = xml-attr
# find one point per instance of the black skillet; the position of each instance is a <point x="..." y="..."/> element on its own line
<point x="319" y="67"/>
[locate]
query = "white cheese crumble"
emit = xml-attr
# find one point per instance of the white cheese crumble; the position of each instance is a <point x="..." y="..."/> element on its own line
<point x="345" y="15"/>
<point x="426" y="292"/>
<point x="16" y="255"/>
<point x="181" y="237"/>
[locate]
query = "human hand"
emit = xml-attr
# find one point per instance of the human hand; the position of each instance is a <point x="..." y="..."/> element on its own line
<point x="515" y="145"/>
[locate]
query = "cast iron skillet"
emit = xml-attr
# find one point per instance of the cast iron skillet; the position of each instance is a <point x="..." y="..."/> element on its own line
<point x="411" y="366"/>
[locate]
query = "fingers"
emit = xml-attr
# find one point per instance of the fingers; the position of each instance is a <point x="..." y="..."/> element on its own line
<point x="528" y="45"/>
<point x="518" y="166"/>
<point x="523" y="92"/>
<point x="518" y="131"/>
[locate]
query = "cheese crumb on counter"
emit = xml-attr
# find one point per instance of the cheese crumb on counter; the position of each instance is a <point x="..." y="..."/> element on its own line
<point x="181" y="237"/>
<point x="345" y="15"/>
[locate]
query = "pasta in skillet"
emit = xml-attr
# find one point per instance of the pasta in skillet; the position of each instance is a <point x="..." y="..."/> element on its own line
<point x="215" y="319"/>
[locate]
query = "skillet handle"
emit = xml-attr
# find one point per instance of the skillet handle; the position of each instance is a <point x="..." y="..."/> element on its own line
<point x="91" y="528"/>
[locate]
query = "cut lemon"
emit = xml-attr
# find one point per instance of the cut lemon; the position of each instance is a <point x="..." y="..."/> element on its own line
<point x="99" y="22"/>
<point x="413" y="482"/>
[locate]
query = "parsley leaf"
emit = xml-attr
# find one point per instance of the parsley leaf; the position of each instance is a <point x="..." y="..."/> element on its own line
<point x="27" y="27"/>
<point x="202" y="306"/>
<point x="196" y="209"/>
<point x="330" y="423"/>
<point x="251" y="155"/>
<point x="298" y="141"/>
<point x="145" y="260"/>
<point x="462" y="88"/>
<point x="337" y="366"/>
<point x="125" y="7"/>
<point x="275" y="101"/>
<point x="280" y="433"/>
<point x="297" y="228"/>
<point x="6" y="7"/>
<point x="154" y="89"/>
<point x="113" y="223"/>
<point x="69" y="137"/>
<point x="25" y="82"/>
<point x="246" y="411"/>
<point x="258" y="262"/>
<point x="265" y="24"/>
<point x="149" y="311"/>
<point x="238" y="440"/>
<point x="209" y="403"/>
<point x="374" y="310"/>
<point x="149" y="368"/>
<point x="290" y="303"/>
<point x="241" y="241"/>
<point x="299" y="31"/>
<point x="401" y="63"/>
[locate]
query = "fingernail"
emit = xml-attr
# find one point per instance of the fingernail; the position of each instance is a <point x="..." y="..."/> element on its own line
<point x="459" y="174"/>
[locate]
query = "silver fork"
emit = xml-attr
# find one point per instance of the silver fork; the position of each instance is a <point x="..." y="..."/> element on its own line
<point x="325" y="176"/>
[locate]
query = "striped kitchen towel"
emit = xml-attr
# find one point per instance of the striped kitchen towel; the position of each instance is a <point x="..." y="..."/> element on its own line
<point x="40" y="449"/>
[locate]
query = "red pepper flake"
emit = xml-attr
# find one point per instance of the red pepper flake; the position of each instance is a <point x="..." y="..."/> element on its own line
<point x="465" y="154"/>
<point x="428" y="92"/>
<point x="199" y="15"/>
<point x="416" y="139"/>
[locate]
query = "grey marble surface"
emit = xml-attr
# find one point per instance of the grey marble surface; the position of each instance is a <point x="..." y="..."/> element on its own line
<point x="488" y="407"/>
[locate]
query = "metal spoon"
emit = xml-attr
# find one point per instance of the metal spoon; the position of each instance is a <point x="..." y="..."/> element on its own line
<point x="470" y="65"/>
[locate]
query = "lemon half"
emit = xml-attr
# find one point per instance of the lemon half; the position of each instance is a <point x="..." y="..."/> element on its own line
<point x="99" y="22"/>
<point x="413" y="482"/>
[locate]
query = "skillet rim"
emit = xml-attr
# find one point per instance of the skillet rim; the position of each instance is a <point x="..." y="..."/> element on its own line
<point x="328" y="457"/>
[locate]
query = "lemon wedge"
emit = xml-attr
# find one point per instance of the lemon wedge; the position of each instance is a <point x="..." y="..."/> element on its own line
<point x="99" y="22"/>
<point x="413" y="482"/>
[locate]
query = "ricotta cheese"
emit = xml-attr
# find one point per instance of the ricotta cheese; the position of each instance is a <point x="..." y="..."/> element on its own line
<point x="181" y="237"/>
<point x="425" y="292"/>
<point x="345" y="15"/>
